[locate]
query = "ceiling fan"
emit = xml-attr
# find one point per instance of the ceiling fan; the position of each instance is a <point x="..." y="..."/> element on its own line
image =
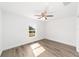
<point x="44" y="15"/>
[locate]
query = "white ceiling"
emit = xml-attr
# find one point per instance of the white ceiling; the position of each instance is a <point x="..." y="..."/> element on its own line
<point x="58" y="9"/>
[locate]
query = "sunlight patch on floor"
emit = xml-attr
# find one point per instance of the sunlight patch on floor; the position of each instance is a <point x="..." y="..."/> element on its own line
<point x="37" y="49"/>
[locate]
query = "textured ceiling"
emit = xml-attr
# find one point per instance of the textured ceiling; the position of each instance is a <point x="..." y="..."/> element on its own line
<point x="58" y="9"/>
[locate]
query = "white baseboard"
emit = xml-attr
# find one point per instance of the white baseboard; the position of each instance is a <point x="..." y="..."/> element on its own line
<point x="20" y="44"/>
<point x="0" y="53"/>
<point x="63" y="42"/>
<point x="77" y="49"/>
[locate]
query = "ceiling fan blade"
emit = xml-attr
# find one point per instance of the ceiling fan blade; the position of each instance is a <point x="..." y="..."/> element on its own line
<point x="49" y="15"/>
<point x="40" y="18"/>
<point x="37" y="15"/>
<point x="66" y="3"/>
<point x="45" y="18"/>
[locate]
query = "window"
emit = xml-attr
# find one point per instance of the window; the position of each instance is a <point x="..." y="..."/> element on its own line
<point x="31" y="31"/>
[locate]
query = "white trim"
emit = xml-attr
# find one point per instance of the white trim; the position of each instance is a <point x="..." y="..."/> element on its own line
<point x="77" y="49"/>
<point x="0" y="53"/>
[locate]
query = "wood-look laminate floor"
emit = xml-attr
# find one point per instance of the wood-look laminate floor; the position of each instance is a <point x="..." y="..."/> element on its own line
<point x="42" y="48"/>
